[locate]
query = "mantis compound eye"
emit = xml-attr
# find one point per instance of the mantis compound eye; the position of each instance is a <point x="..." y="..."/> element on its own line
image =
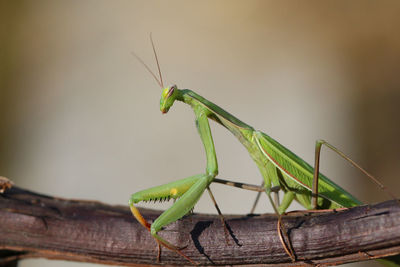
<point x="171" y="90"/>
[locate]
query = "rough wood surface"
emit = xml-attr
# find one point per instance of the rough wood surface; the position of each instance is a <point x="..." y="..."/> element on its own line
<point x="34" y="225"/>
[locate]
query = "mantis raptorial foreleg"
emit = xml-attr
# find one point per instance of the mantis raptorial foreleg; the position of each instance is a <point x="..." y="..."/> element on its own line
<point x="188" y="190"/>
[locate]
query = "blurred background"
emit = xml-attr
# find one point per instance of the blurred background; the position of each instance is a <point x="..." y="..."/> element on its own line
<point x="80" y="115"/>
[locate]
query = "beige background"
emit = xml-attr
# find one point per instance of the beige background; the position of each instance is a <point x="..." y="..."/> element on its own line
<point x="80" y="119"/>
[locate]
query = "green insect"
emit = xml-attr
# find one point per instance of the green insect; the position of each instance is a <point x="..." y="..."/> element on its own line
<point x="280" y="168"/>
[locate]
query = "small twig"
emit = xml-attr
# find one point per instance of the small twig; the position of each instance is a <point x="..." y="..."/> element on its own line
<point x="34" y="225"/>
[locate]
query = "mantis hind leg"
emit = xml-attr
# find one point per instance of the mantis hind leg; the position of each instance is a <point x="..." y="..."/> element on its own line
<point x="270" y="175"/>
<point x="280" y="209"/>
<point x="253" y="208"/>
<point x="318" y="146"/>
<point x="274" y="189"/>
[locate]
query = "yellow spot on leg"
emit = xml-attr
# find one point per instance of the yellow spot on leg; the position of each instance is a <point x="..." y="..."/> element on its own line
<point x="174" y="191"/>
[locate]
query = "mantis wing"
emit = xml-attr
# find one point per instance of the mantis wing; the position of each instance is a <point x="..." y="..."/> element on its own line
<point x="299" y="175"/>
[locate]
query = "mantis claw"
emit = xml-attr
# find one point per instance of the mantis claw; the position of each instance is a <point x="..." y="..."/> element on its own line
<point x="174" y="248"/>
<point x="288" y="248"/>
<point x="158" y="252"/>
<point x="162" y="242"/>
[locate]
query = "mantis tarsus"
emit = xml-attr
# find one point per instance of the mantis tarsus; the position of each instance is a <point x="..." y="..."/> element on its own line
<point x="280" y="168"/>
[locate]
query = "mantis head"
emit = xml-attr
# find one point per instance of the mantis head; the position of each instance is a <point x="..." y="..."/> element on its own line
<point x="170" y="93"/>
<point x="168" y="97"/>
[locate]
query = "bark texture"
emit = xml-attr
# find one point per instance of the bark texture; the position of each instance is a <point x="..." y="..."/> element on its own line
<point x="35" y="225"/>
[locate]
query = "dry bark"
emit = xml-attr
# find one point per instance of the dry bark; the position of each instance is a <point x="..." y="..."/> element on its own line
<point x="35" y="225"/>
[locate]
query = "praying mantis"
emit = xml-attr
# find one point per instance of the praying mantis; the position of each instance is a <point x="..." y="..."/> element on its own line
<point x="279" y="167"/>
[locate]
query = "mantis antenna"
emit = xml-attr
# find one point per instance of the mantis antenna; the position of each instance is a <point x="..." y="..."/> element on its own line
<point x="159" y="81"/>
<point x="158" y="64"/>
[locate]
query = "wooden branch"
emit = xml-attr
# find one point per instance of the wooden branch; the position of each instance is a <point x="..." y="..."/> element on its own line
<point x="34" y="225"/>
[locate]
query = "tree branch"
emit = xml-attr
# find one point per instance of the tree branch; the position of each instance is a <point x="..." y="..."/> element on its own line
<point x="34" y="225"/>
